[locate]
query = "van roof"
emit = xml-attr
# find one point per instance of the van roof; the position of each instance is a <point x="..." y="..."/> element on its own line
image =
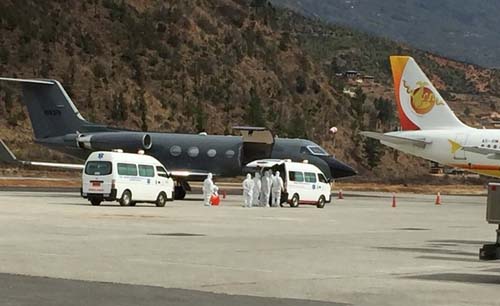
<point x="123" y="157"/>
<point x="294" y="166"/>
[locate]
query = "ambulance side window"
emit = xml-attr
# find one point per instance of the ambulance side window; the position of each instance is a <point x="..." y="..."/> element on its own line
<point x="296" y="176"/>
<point x="161" y="171"/>
<point x="127" y="169"/>
<point x="322" y="178"/>
<point x="146" y="171"/>
<point x="310" y="177"/>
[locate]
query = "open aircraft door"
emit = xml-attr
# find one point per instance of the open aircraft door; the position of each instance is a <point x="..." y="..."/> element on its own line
<point x="257" y="143"/>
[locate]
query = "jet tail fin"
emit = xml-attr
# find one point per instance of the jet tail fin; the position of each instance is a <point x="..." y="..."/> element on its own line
<point x="51" y="111"/>
<point x="420" y="106"/>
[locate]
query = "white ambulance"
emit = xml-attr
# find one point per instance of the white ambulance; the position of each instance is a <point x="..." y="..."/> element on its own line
<point x="304" y="183"/>
<point x="126" y="178"/>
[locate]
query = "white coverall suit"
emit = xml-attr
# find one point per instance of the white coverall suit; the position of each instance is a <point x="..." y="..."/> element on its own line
<point x="208" y="189"/>
<point x="276" y="188"/>
<point x="265" y="191"/>
<point x="256" y="189"/>
<point x="248" y="186"/>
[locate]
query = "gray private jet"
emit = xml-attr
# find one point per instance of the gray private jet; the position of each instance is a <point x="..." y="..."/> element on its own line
<point x="57" y="124"/>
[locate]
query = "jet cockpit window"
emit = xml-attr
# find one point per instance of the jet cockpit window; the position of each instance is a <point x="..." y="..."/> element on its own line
<point x="317" y="150"/>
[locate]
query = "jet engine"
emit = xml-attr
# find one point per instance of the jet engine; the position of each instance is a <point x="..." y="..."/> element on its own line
<point x="127" y="141"/>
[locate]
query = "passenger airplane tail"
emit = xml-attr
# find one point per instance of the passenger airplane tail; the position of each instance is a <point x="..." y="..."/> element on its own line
<point x="420" y="106"/>
<point x="51" y="111"/>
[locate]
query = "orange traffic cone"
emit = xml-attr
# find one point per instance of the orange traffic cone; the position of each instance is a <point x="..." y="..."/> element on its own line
<point x="341" y="195"/>
<point x="438" y="198"/>
<point x="393" y="199"/>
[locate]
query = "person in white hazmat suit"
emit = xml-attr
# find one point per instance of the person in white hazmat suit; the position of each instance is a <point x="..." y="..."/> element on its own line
<point x="208" y="189"/>
<point x="257" y="184"/>
<point x="276" y="189"/>
<point x="248" y="186"/>
<point x="265" y="191"/>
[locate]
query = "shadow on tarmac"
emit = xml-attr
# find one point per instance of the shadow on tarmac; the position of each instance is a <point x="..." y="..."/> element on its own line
<point x="460" y="277"/>
<point x="428" y="251"/>
<point x="45" y="291"/>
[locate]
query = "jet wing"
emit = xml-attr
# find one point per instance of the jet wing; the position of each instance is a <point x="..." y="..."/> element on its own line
<point x="489" y="152"/>
<point x="255" y="134"/>
<point x="421" y="143"/>
<point x="7" y="156"/>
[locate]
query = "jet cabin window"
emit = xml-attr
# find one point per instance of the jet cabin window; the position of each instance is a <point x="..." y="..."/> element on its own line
<point x="127" y="169"/>
<point x="317" y="150"/>
<point x="146" y="171"/>
<point x="295" y="176"/>
<point x="161" y="171"/>
<point x="98" y="168"/>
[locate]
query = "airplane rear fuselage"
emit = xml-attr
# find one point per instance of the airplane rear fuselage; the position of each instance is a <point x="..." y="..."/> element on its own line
<point x="446" y="147"/>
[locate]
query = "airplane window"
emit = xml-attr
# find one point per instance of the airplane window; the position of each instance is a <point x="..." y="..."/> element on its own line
<point x="175" y="151"/>
<point x="316" y="150"/>
<point x="310" y="177"/>
<point x="193" y="151"/>
<point x="230" y="153"/>
<point x="211" y="153"/>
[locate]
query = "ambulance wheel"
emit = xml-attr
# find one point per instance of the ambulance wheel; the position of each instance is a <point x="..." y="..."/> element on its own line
<point x="161" y="199"/>
<point x="295" y="201"/>
<point x="321" y="202"/>
<point x="126" y="198"/>
<point x="95" y="202"/>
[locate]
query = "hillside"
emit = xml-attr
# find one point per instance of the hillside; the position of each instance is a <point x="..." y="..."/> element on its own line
<point x="191" y="66"/>
<point x="463" y="30"/>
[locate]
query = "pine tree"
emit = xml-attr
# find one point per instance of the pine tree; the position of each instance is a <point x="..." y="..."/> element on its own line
<point x="255" y="112"/>
<point x="371" y="152"/>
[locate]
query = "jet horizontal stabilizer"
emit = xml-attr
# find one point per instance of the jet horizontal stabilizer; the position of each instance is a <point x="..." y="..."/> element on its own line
<point x="421" y="143"/>
<point x="7" y="156"/>
<point x="489" y="152"/>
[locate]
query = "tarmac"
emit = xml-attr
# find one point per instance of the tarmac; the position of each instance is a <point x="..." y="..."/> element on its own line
<point x="56" y="249"/>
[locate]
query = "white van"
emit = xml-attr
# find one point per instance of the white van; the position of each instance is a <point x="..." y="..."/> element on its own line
<point x="126" y="178"/>
<point x="304" y="182"/>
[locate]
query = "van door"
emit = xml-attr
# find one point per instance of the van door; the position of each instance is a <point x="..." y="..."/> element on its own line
<point x="128" y="179"/>
<point x="311" y="192"/>
<point x="295" y="184"/>
<point x="324" y="187"/>
<point x="163" y="181"/>
<point x="148" y="188"/>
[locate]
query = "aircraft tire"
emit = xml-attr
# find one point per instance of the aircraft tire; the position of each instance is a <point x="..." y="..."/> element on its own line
<point x="161" y="200"/>
<point x="321" y="202"/>
<point x="126" y="198"/>
<point x="179" y="193"/>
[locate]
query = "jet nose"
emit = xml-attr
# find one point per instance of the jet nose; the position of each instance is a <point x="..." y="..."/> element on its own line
<point x="339" y="169"/>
